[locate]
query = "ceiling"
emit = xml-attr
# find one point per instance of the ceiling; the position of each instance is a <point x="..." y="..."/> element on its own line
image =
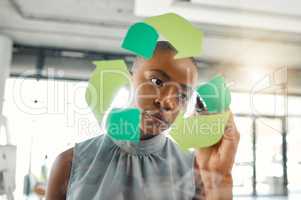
<point x="245" y="33"/>
<point x="235" y="31"/>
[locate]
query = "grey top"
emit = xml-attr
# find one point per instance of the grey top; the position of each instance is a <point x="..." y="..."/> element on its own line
<point x="105" y="169"/>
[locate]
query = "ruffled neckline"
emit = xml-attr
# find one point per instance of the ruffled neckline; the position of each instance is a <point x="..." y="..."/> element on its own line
<point x="143" y="147"/>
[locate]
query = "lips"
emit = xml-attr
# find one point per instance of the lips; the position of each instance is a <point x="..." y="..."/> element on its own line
<point x="158" y="117"/>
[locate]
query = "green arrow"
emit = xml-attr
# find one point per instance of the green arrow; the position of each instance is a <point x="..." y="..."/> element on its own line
<point x="215" y="94"/>
<point x="186" y="38"/>
<point x="105" y="81"/>
<point x="198" y="131"/>
<point x="124" y="124"/>
<point x="141" y="39"/>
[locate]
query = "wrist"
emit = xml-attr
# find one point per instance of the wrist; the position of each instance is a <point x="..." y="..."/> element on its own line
<point x="217" y="185"/>
<point x="212" y="179"/>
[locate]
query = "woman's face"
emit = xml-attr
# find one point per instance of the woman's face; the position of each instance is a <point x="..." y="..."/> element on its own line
<point x="162" y="86"/>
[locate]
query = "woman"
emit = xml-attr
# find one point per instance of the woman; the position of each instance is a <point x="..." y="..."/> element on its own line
<point x="155" y="168"/>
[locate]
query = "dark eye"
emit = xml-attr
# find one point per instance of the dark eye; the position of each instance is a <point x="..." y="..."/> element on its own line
<point x="157" y="82"/>
<point x="183" y="96"/>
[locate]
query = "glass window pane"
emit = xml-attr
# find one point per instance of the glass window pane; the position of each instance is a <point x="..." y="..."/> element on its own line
<point x="269" y="169"/>
<point x="46" y="117"/>
<point x="293" y="155"/>
<point x="243" y="169"/>
<point x="294" y="107"/>
<point x="259" y="104"/>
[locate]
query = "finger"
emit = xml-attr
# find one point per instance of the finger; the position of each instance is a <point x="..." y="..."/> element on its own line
<point x="198" y="113"/>
<point x="203" y="155"/>
<point x="230" y="140"/>
<point x="230" y="123"/>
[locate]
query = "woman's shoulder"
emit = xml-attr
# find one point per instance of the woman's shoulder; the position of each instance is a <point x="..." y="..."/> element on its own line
<point x="60" y="172"/>
<point x="65" y="158"/>
<point x="62" y="167"/>
<point x="88" y="147"/>
<point x="91" y="141"/>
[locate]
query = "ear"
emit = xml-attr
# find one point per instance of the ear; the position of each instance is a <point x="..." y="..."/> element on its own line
<point x="135" y="65"/>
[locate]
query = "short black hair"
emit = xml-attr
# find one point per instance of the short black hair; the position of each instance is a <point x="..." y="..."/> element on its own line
<point x="165" y="45"/>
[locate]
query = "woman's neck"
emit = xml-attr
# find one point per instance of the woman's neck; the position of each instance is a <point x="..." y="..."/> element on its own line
<point x="146" y="136"/>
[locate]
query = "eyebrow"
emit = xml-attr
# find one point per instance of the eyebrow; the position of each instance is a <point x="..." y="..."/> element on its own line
<point x="162" y="73"/>
<point x="184" y="86"/>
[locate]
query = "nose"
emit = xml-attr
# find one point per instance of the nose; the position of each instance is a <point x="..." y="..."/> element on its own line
<point x="167" y="100"/>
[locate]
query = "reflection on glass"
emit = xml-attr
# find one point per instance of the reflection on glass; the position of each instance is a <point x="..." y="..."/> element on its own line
<point x="243" y="168"/>
<point x="47" y="117"/>
<point x="293" y="154"/>
<point x="269" y="169"/>
<point x="54" y="114"/>
<point x="259" y="104"/>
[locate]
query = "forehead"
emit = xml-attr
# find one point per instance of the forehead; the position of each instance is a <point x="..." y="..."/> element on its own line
<point x="183" y="71"/>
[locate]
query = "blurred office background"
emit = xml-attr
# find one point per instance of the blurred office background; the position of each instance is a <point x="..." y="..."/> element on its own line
<point x="46" y="54"/>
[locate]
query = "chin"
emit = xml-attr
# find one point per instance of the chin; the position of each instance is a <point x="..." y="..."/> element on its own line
<point x="152" y="127"/>
<point x="153" y="130"/>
